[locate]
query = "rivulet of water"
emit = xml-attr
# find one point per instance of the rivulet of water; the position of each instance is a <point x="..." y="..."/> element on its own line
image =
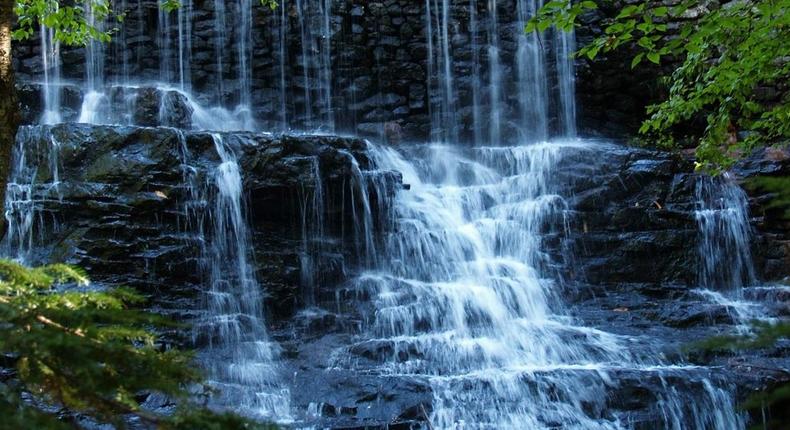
<point x="231" y="331"/>
<point x="724" y="235"/>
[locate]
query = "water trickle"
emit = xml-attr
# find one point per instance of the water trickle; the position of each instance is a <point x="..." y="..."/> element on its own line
<point x="312" y="209"/>
<point x="495" y="76"/>
<point x="220" y="39"/>
<point x="723" y="222"/>
<point x="566" y="41"/>
<point x="726" y="270"/>
<point x="532" y="84"/>
<point x="231" y="332"/>
<point x="94" y="54"/>
<point x="33" y="183"/>
<point x="477" y="115"/>
<point x="244" y="47"/>
<point x="50" y="55"/>
<point x="282" y="66"/>
<point x="185" y="44"/>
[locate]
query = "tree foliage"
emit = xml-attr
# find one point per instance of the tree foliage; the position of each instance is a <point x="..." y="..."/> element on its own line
<point x="89" y="352"/>
<point x="726" y="53"/>
<point x="79" y="22"/>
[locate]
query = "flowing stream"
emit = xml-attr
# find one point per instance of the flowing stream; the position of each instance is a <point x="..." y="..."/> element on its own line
<point x="468" y="296"/>
<point x="466" y="290"/>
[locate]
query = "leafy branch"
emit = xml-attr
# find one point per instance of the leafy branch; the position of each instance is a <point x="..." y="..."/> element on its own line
<point x="79" y="22"/>
<point x="726" y="54"/>
<point x="91" y="352"/>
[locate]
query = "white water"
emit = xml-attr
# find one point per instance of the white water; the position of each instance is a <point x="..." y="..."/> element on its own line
<point x="532" y="85"/>
<point x="27" y="194"/>
<point x="465" y="296"/>
<point x="726" y="269"/>
<point x="232" y="330"/>
<point x="50" y="60"/>
<point x="724" y="244"/>
<point x="465" y="292"/>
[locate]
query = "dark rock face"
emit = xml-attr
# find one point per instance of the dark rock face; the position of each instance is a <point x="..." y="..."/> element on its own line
<point x="772" y="250"/>
<point x="112" y="200"/>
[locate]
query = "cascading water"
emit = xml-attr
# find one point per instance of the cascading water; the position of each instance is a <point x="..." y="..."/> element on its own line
<point x="566" y="42"/>
<point x="25" y="214"/>
<point x="466" y="296"/>
<point x="232" y="331"/>
<point x="532" y="85"/>
<point x="51" y="63"/>
<point x="726" y="269"/>
<point x="466" y="291"/>
<point x="95" y="106"/>
<point x="723" y="221"/>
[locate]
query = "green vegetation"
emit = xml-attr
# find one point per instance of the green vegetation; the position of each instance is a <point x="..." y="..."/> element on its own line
<point x="89" y="352"/>
<point x="774" y="399"/>
<point x="80" y="22"/>
<point x="725" y="54"/>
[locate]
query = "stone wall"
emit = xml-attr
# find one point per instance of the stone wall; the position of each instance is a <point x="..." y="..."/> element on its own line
<point x="379" y="63"/>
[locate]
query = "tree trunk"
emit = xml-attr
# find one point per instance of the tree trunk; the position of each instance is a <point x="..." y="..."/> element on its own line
<point x="9" y="108"/>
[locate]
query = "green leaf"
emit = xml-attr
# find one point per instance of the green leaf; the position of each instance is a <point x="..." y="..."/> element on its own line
<point x="592" y="52"/>
<point x="654" y="57"/>
<point x="637" y="59"/>
<point x="530" y="27"/>
<point x="660" y="11"/>
<point x="627" y="11"/>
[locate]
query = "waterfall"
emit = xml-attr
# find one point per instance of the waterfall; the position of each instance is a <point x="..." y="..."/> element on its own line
<point x="34" y="181"/>
<point x="724" y="236"/>
<point x="231" y="333"/>
<point x="219" y="47"/>
<point x="466" y="290"/>
<point x="465" y="294"/>
<point x="50" y="60"/>
<point x="567" y="81"/>
<point x="495" y="76"/>
<point x="95" y="106"/>
<point x="532" y="81"/>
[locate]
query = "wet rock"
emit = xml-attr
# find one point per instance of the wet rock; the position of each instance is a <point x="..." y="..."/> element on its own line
<point x="120" y="210"/>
